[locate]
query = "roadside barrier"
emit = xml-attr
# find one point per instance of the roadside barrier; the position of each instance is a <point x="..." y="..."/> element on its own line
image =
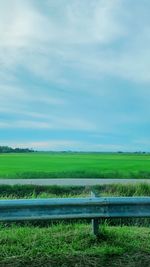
<point x="93" y="208"/>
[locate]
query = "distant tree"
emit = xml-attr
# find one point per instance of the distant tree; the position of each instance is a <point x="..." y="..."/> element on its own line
<point x="7" y="149"/>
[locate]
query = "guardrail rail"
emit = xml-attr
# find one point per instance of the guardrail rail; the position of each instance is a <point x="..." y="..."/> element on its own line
<point x="74" y="208"/>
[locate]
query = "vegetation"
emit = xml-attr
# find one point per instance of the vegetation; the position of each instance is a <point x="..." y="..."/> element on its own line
<point x="7" y="149"/>
<point x="36" y="191"/>
<point x="74" y="245"/>
<point x="74" y="165"/>
<point x="71" y="243"/>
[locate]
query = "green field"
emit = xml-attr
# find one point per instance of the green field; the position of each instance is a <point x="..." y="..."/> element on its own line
<point x="71" y="244"/>
<point x="74" y="165"/>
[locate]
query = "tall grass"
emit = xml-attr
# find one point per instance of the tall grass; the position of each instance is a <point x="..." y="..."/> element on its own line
<point x="21" y="191"/>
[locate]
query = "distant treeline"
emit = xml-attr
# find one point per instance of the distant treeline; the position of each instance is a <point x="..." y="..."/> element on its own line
<point x="7" y="149"/>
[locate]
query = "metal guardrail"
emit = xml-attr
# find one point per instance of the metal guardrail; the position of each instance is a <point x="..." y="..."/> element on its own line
<point x="74" y="208"/>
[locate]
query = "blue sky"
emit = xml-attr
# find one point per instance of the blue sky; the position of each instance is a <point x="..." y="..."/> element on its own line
<point x="75" y="75"/>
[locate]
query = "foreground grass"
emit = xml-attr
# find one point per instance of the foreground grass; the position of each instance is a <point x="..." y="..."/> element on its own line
<point x="74" y="245"/>
<point x="74" y="165"/>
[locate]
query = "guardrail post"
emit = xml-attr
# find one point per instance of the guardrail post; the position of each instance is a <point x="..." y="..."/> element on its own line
<point x="95" y="222"/>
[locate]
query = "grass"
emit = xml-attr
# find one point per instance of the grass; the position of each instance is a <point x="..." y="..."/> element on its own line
<point x="36" y="191"/>
<point x="74" y="165"/>
<point x="74" y="245"/>
<point x="71" y="244"/>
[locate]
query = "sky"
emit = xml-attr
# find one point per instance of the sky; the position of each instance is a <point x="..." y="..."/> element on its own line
<point x="75" y="75"/>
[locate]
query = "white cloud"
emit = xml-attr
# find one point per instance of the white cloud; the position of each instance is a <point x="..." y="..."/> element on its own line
<point x="52" y="122"/>
<point x="36" y="40"/>
<point x="51" y="145"/>
<point x="77" y="22"/>
<point x="79" y="34"/>
<point x="19" y="23"/>
<point x="16" y="99"/>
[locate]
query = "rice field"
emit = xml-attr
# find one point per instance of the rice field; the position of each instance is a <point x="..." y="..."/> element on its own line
<point x="74" y="165"/>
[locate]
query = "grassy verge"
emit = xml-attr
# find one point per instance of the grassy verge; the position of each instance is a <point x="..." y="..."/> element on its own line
<point x="72" y="243"/>
<point x="31" y="191"/>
